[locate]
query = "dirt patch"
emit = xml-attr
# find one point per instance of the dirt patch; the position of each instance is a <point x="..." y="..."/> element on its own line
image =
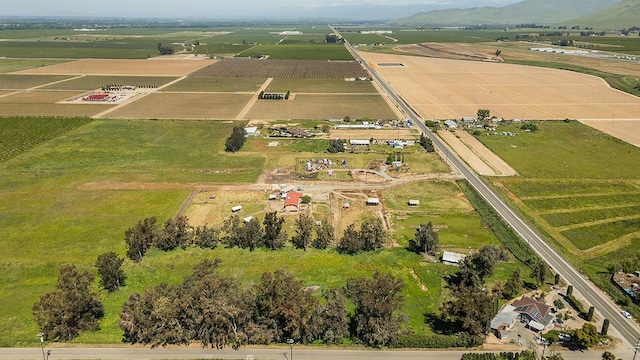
<point x="176" y="67"/>
<point x="423" y="287"/>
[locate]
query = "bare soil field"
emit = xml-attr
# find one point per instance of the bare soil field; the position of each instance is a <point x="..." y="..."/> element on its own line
<point x="383" y="134"/>
<point x="323" y="107"/>
<point x="626" y="130"/>
<point x="296" y="69"/>
<point x="22" y="82"/>
<point x="184" y="106"/>
<point x="447" y="51"/>
<point x="43" y="103"/>
<point x="444" y="89"/>
<point x="122" y="67"/>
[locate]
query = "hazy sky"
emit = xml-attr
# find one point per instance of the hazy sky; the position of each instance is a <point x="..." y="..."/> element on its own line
<point x="210" y="9"/>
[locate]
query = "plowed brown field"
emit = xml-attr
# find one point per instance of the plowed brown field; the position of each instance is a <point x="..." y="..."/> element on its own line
<point x="444" y="89"/>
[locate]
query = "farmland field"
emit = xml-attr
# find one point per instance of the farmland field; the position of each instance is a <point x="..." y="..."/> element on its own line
<point x="184" y="106"/>
<point x="216" y="84"/>
<point x="443" y="89"/>
<point x="122" y="67"/>
<point x="323" y="107"/>
<point x="296" y="69"/>
<point x="321" y="86"/>
<point x="96" y="82"/>
<point x="301" y="52"/>
<point x="21" y="82"/>
<point x="11" y="65"/>
<point x="43" y="103"/>
<point x="588" y="208"/>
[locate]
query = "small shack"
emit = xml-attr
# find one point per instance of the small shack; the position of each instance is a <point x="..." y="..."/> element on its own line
<point x="346" y="205"/>
<point x="247" y="219"/>
<point x="414" y="202"/>
<point x="236" y="208"/>
<point x="373" y="201"/>
<point x="452" y="258"/>
<point x="251" y="131"/>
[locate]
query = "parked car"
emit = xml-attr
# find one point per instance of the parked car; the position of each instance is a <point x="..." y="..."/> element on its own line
<point x="626" y="314"/>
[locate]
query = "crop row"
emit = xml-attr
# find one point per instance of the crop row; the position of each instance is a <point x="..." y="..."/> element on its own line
<point x="590" y="236"/>
<point x="300" y="69"/>
<point x="524" y="189"/>
<point x="582" y="202"/>
<point x="584" y="216"/>
<point x="19" y="134"/>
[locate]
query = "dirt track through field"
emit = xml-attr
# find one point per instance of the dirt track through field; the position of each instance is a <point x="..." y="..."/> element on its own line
<point x="243" y="113"/>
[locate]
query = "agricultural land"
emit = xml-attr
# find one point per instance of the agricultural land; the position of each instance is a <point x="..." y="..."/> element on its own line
<point x="90" y="147"/>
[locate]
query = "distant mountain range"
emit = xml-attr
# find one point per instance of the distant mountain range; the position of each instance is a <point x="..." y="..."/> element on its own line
<point x="625" y="14"/>
<point x="544" y="12"/>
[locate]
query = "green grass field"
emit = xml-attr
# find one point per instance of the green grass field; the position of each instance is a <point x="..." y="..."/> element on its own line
<point x="587" y="209"/>
<point x="97" y="82"/>
<point x="21" y="82"/>
<point x="301" y="51"/>
<point x="11" y="65"/>
<point x="321" y="86"/>
<point x="216" y="84"/>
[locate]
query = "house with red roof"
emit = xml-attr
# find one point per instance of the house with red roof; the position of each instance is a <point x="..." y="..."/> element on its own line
<point x="292" y="199"/>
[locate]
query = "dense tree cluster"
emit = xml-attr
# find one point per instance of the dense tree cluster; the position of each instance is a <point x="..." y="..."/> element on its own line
<point x="472" y="305"/>
<point x="426" y="143"/>
<point x="525" y="355"/>
<point x="165" y="50"/>
<point x="529" y="126"/>
<point x="109" y="267"/>
<point x="218" y="310"/>
<point x="371" y="236"/>
<point x="235" y="140"/>
<point x="336" y="146"/>
<point x="426" y="240"/>
<point x="175" y="233"/>
<point x="71" y="308"/>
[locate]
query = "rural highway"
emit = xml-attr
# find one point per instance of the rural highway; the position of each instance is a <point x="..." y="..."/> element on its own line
<point x="275" y="353"/>
<point x="603" y="304"/>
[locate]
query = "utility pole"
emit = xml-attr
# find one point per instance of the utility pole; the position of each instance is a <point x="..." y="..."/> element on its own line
<point x="637" y="347"/>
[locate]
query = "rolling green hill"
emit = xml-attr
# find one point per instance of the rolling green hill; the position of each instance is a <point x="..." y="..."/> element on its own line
<point x="525" y="12"/>
<point x="625" y="14"/>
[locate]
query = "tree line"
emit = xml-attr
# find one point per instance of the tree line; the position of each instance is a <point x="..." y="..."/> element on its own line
<point x="251" y="234"/>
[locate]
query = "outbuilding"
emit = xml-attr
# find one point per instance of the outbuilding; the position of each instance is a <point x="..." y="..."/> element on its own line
<point x="373" y="201"/>
<point x="292" y="199"/>
<point x="414" y="202"/>
<point x="236" y="208"/>
<point x="251" y="131"/>
<point x="247" y="219"/>
<point x="452" y="258"/>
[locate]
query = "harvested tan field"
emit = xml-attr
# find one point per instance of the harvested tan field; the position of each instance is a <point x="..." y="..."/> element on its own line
<point x="443" y="89"/>
<point x="323" y="107"/>
<point x="626" y="130"/>
<point x="184" y="106"/>
<point x="499" y="166"/>
<point x="466" y="153"/>
<point x="122" y="67"/>
<point x="403" y="134"/>
<point x="43" y="103"/>
<point x="520" y="51"/>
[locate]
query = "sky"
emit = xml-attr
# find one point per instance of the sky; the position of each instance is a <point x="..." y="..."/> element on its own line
<point x="220" y="9"/>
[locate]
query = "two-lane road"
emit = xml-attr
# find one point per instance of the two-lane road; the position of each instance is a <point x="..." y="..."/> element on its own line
<point x="603" y="304"/>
